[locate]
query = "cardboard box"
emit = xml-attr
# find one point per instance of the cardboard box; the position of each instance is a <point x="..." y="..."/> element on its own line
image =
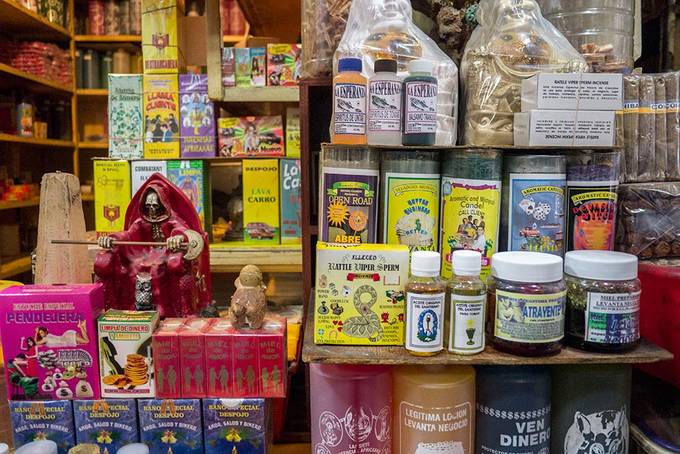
<point x="565" y="128"/>
<point x="166" y="358"/>
<point x="373" y="274"/>
<point x="125" y="353"/>
<point x="161" y="116"/>
<point x="251" y="136"/>
<point x="243" y="67"/>
<point x="44" y="420"/>
<point x="291" y="203"/>
<point x="283" y="64"/>
<point x="49" y="341"/>
<point x="572" y="91"/>
<point x="246" y="367"/>
<point x="192" y="357"/>
<point x="142" y="170"/>
<point x="197" y="117"/>
<point x="228" y="67"/>
<point x="191" y="177"/>
<point x="273" y="358"/>
<point x="111" y="195"/>
<point x="219" y="358"/>
<point x="162" y="34"/>
<point x="108" y="423"/>
<point x="126" y="125"/>
<point x="293" y="132"/>
<point x="261" y="201"/>
<point x="171" y="425"/>
<point x="258" y="67"/>
<point x="235" y="425"/>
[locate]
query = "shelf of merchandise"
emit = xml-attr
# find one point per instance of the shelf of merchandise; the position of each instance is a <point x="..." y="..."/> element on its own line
<point x="107" y="38"/>
<point x="35" y="83"/>
<point x="18" y="20"/>
<point x="231" y="257"/>
<point x="11" y="138"/>
<point x="14" y="267"/>
<point x="13" y="204"/>
<point x="94" y="145"/>
<point x="92" y="92"/>
<point x="261" y="94"/>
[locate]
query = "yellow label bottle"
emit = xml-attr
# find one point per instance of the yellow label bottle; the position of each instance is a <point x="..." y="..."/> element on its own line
<point x="349" y="103"/>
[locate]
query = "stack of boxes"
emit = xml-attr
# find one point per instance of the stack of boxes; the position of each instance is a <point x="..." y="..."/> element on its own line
<point x="274" y="66"/>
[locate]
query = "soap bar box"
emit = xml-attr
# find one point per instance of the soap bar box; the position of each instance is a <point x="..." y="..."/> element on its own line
<point x="565" y="128"/>
<point x="192" y="357"/>
<point x="219" y="358"/>
<point x="171" y="425"/>
<point x="161" y="116"/>
<point x="166" y="358"/>
<point x="236" y="425"/>
<point x="49" y="341"/>
<point x="111" y="195"/>
<point x="261" y="201"/>
<point x="162" y="33"/>
<point x="197" y="138"/>
<point x="291" y="228"/>
<point x="572" y="91"/>
<point x="108" y="423"/>
<point x="43" y="420"/>
<point x="126" y="125"/>
<point x="142" y="171"/>
<point x="251" y="136"/>
<point x="283" y="64"/>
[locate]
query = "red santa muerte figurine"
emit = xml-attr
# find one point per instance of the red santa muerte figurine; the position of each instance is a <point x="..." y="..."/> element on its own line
<point x="173" y="279"/>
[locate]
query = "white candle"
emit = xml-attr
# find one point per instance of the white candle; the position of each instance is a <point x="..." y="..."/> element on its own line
<point x="38" y="447"/>
<point x="135" y="448"/>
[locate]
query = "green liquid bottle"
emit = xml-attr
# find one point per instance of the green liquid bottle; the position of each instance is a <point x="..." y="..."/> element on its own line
<point x="420" y="104"/>
<point x="466" y="297"/>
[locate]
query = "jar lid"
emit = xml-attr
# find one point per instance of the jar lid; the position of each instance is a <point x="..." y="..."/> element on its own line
<point x="466" y="262"/>
<point x="601" y="265"/>
<point x="385" y="65"/>
<point x="425" y="263"/>
<point x="349" y="64"/>
<point x="420" y="66"/>
<point x="519" y="266"/>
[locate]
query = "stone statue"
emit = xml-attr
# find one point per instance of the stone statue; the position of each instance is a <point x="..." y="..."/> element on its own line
<point x="248" y="302"/>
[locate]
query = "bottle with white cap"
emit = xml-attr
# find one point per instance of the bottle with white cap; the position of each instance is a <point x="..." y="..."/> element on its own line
<point x="466" y="304"/>
<point x="420" y="104"/>
<point x="425" y="294"/>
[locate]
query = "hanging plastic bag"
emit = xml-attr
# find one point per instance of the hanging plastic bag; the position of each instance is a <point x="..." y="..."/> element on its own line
<point x="512" y="42"/>
<point x="384" y="29"/>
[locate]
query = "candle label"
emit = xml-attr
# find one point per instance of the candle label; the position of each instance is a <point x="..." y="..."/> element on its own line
<point x="513" y="431"/>
<point x="435" y="429"/>
<point x="467" y="323"/>
<point x="349" y="206"/>
<point x="613" y="318"/>
<point x="424" y="322"/>
<point x="591" y="217"/>
<point x="411" y="211"/>
<point x="44" y="420"/>
<point x="110" y="424"/>
<point x="529" y="318"/>
<point x="420" y="106"/>
<point x="470" y="211"/>
<point x="384" y="107"/>
<point x="360" y="425"/>
<point x="349" y="112"/>
<point x="536" y="213"/>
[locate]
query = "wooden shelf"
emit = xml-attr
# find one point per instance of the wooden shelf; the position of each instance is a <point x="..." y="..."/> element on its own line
<point x="231" y="257"/>
<point x="233" y="39"/>
<point x="94" y="145"/>
<point x="107" y="38"/>
<point x="21" y="79"/>
<point x="14" y="267"/>
<point x="13" y="204"/>
<point x="22" y="22"/>
<point x="87" y="197"/>
<point x="11" y="138"/>
<point x="92" y="92"/>
<point x="261" y="94"/>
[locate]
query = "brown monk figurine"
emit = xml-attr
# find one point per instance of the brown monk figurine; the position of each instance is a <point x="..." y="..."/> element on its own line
<point x="248" y="303"/>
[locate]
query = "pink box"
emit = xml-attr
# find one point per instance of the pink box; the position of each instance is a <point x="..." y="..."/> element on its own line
<point x="49" y="341"/>
<point x="192" y="357"/>
<point x="218" y="359"/>
<point x="246" y="367"/>
<point x="272" y="345"/>
<point x="165" y="346"/>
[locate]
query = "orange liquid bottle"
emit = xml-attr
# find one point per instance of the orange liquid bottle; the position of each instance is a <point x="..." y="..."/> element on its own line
<point x="349" y="103"/>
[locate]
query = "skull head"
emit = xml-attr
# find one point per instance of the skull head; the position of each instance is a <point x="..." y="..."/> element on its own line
<point x="152" y="204"/>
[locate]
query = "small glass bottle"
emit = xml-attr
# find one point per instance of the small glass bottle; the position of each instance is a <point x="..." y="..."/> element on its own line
<point x="466" y="296"/>
<point x="425" y="293"/>
<point x="420" y="104"/>
<point x="349" y="103"/>
<point x="384" y="104"/>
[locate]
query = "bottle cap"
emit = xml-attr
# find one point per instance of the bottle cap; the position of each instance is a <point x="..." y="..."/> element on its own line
<point x="466" y="263"/>
<point x="532" y="267"/>
<point x="349" y="64"/>
<point x="4" y="449"/>
<point x="38" y="447"/>
<point x="601" y="265"/>
<point x="387" y="65"/>
<point x="425" y="263"/>
<point x="134" y="448"/>
<point x="420" y="66"/>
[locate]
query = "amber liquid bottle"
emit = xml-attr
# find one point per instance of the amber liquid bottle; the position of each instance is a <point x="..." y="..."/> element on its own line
<point x="349" y="103"/>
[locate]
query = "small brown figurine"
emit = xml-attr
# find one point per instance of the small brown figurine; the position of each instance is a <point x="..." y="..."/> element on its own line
<point x="248" y="303"/>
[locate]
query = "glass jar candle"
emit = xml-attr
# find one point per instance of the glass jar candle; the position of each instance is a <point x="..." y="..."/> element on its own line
<point x="526" y="300"/>
<point x="603" y="300"/>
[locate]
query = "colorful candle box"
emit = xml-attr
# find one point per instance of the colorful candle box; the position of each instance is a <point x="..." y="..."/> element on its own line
<point x="258" y="67"/>
<point x="171" y="425"/>
<point x="43" y="420"/>
<point x="162" y="36"/>
<point x="251" y="136"/>
<point x="161" y="116"/>
<point x="291" y="204"/>
<point x="218" y="358"/>
<point x="192" y="178"/>
<point x="261" y="201"/>
<point x="271" y="340"/>
<point x="283" y="64"/>
<point x="293" y="132"/>
<point x="49" y="341"/>
<point x="197" y="117"/>
<point x="166" y="359"/>
<point x="108" y="423"/>
<point x="235" y="425"/>
<point x="359" y="296"/>
<point x="243" y="67"/>
<point x="126" y="128"/>
<point x="228" y="67"/>
<point x="142" y="170"/>
<point x="192" y="357"/>
<point x="111" y="195"/>
<point x="125" y="353"/>
<point x="246" y="367"/>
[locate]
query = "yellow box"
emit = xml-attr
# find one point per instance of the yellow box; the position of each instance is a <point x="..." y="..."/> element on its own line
<point x="161" y="116"/>
<point x="111" y="195"/>
<point x="261" y="201"/>
<point x="359" y="297"/>
<point x="162" y="37"/>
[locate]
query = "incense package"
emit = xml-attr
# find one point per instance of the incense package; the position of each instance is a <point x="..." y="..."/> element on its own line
<point x="235" y="425"/>
<point x="111" y="195"/>
<point x="161" y="116"/>
<point x="196" y="116"/>
<point x="251" y="136"/>
<point x="283" y="64"/>
<point x="126" y="128"/>
<point x="108" y="423"/>
<point x="44" y="420"/>
<point x="171" y="425"/>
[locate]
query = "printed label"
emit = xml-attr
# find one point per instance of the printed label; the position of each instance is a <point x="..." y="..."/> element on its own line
<point x="504" y="431"/>
<point x="536" y="213"/>
<point x="420" y="107"/>
<point x="613" y="318"/>
<point x="434" y="429"/>
<point x="411" y="214"/>
<point x="424" y="322"/>
<point x="591" y="215"/>
<point x="529" y="318"/>
<point x="349" y="113"/>
<point x="467" y="322"/>
<point x="384" y="105"/>
<point x="360" y="425"/>
<point x="470" y="211"/>
<point x="601" y="431"/>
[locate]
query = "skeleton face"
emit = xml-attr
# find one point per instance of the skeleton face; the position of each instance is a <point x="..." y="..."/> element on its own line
<point x="152" y="204"/>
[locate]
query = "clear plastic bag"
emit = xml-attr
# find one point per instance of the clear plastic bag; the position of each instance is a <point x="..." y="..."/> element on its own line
<point x="385" y="29"/>
<point x="512" y="42"/>
<point x="323" y="23"/>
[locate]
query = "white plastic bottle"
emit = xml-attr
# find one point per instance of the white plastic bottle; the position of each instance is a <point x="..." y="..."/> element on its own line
<point x="384" y="104"/>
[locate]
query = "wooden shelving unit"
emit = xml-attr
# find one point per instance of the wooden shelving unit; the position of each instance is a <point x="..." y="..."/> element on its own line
<point x="107" y="38"/>
<point x="14" y="204"/>
<point x="23" y="80"/>
<point x="94" y="145"/>
<point x="14" y="267"/>
<point x="20" y="21"/>
<point x="261" y="94"/>
<point x="230" y="258"/>
<point x="33" y="141"/>
<point x="99" y="92"/>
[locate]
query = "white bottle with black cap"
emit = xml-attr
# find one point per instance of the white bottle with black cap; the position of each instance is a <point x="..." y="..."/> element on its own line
<point x="467" y="304"/>
<point x="384" y="104"/>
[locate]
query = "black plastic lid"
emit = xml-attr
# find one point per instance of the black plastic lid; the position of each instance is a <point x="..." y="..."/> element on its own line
<point x="385" y="65"/>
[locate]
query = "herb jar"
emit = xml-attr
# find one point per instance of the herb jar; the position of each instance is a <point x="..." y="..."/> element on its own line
<point x="526" y="300"/>
<point x="603" y="300"/>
